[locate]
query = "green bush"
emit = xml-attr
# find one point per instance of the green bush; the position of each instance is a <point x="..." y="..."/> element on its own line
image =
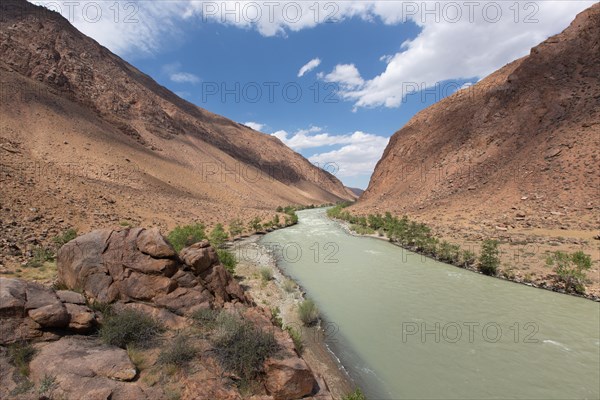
<point x="468" y="258"/>
<point x="228" y="260"/>
<point x="65" y="237"/>
<point x="218" y="236"/>
<point x="356" y="395"/>
<point x="289" y="286"/>
<point x="296" y="338"/>
<point x="448" y="252"/>
<point x="236" y="228"/>
<point x="20" y="355"/>
<point x="266" y="274"/>
<point x="129" y="327"/>
<point x="47" y="386"/>
<point x="178" y="352"/>
<point x="571" y="269"/>
<point x="489" y="259"/>
<point x="255" y="225"/>
<point x="183" y="236"/>
<point x="276" y="317"/>
<point x="361" y="230"/>
<point x="308" y="312"/>
<point x="40" y="256"/>
<point x="241" y="347"/>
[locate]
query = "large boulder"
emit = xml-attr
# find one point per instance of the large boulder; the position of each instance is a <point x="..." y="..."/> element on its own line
<point x="140" y="265"/>
<point x="289" y="378"/>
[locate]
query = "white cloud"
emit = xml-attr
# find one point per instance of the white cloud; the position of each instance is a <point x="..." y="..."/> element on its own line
<point x="309" y="66"/>
<point x="255" y="125"/>
<point x="184" y="77"/>
<point x="356" y="153"/>
<point x="346" y="75"/>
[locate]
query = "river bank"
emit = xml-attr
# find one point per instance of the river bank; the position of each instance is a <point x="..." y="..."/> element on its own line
<point x="544" y="281"/>
<point x="285" y="295"/>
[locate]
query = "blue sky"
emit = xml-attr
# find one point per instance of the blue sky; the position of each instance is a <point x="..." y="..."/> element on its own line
<point x="359" y="65"/>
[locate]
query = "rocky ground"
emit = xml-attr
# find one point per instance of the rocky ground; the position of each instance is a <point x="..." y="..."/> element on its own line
<point x="283" y="294"/>
<point x="136" y="271"/>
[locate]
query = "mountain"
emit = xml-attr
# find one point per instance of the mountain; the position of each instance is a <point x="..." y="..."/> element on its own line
<point x="356" y="191"/>
<point x="525" y="140"/>
<point x="89" y="140"/>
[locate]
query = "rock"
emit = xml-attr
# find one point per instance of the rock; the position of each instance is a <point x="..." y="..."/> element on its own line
<point x="12" y="297"/>
<point x="81" y="318"/>
<point x="165" y="317"/>
<point x="50" y="316"/>
<point x="501" y="228"/>
<point x="199" y="257"/>
<point x="151" y="242"/>
<point x="67" y="296"/>
<point x="520" y="215"/>
<point x="289" y="378"/>
<point x="87" y="369"/>
<point x="183" y="301"/>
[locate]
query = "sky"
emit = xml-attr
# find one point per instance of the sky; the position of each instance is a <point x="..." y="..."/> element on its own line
<point x="331" y="79"/>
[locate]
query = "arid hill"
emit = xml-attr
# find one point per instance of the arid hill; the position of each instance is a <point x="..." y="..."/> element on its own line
<point x="515" y="157"/>
<point x="88" y="140"/>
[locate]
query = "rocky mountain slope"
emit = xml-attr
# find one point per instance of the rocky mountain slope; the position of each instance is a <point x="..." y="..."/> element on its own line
<point x="516" y="156"/>
<point x="88" y="140"/>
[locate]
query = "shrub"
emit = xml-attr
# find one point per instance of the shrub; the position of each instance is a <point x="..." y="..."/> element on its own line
<point x="236" y="227"/>
<point x="20" y="355"/>
<point x="205" y="317"/>
<point x="266" y="274"/>
<point x="279" y="209"/>
<point x="255" y="225"/>
<point x="65" y="237"/>
<point x="489" y="259"/>
<point x="448" y="252"/>
<point x="289" y="285"/>
<point x="47" y="386"/>
<point x="241" y="347"/>
<point x="308" y="312"/>
<point x="227" y="259"/>
<point x="104" y="308"/>
<point x="187" y="235"/>
<point x="178" y="352"/>
<point x="361" y="230"/>
<point x="218" y="236"/>
<point x="296" y="338"/>
<point x="570" y="269"/>
<point x="468" y="258"/>
<point x="129" y="327"/>
<point x="356" y="395"/>
<point x="40" y="256"/>
<point x="276" y="317"/>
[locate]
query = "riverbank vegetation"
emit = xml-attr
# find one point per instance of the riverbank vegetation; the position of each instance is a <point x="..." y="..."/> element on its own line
<point x="570" y="269"/>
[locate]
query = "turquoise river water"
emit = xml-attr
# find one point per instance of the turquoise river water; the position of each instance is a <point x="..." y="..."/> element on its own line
<point x="408" y="327"/>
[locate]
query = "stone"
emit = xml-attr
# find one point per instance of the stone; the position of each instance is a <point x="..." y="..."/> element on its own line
<point x="12" y="297"/>
<point x="199" y="257"/>
<point x="151" y="242"/>
<point x="81" y="318"/>
<point x="289" y="378"/>
<point x="50" y="316"/>
<point x="164" y="317"/>
<point x="67" y="296"/>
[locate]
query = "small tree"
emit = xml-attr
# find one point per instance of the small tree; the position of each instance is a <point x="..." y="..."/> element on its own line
<point x="255" y="224"/>
<point x="218" y="236"/>
<point x="489" y="259"/>
<point x="236" y="227"/>
<point x="570" y="269"/>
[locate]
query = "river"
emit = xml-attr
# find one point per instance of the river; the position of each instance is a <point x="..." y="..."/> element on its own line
<point x="408" y="327"/>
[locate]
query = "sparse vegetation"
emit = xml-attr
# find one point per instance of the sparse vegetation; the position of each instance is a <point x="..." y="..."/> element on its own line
<point x="241" y="347"/>
<point x="289" y="286"/>
<point x="468" y="258"/>
<point x="129" y="327"/>
<point x="228" y="260"/>
<point x="65" y="237"/>
<point x="361" y="230"/>
<point x="296" y="338"/>
<point x="47" y="386"/>
<point x="266" y="274"/>
<point x="571" y="269"/>
<point x="205" y="317"/>
<point x="489" y="259"/>
<point x="356" y="395"/>
<point x="218" y="236"/>
<point x="308" y="312"/>
<point x="187" y="235"/>
<point x="276" y="317"/>
<point x="236" y="228"/>
<point x="255" y="225"/>
<point x="178" y="352"/>
<point x="20" y="355"/>
<point x="41" y="255"/>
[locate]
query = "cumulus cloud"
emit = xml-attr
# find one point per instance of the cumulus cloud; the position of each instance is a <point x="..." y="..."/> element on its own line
<point x="309" y="66"/>
<point x="345" y="75"/>
<point x="255" y="125"/>
<point x="356" y="153"/>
